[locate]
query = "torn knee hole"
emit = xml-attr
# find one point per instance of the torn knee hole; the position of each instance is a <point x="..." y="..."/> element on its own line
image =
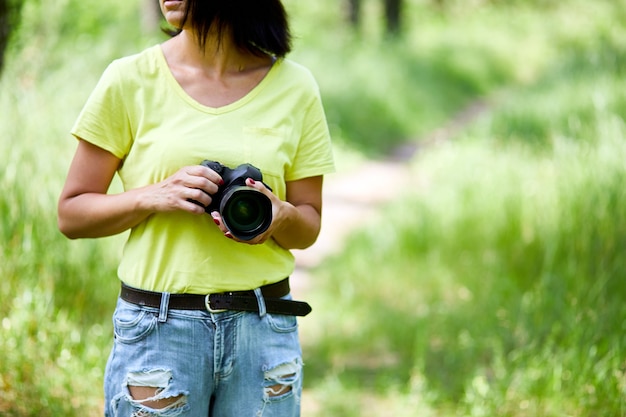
<point x="149" y="397"/>
<point x="279" y="389"/>
<point x="150" y="389"/>
<point x="281" y="379"/>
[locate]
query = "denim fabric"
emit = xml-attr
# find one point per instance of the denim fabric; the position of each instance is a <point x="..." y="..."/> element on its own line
<point x="228" y="364"/>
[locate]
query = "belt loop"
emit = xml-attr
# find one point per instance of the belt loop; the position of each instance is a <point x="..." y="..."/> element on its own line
<point x="165" y="302"/>
<point x="261" y="301"/>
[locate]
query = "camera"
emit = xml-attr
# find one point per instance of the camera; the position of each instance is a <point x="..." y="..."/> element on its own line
<point x="246" y="212"/>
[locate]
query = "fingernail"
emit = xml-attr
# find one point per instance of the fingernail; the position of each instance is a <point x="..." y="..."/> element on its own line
<point x="221" y="182"/>
<point x="228" y="235"/>
<point x="252" y="181"/>
<point x="217" y="222"/>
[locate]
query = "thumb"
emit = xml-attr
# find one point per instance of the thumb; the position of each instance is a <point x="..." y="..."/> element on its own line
<point x="258" y="185"/>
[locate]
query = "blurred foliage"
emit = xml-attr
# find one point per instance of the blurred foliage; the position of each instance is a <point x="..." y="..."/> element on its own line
<point x="9" y="19"/>
<point x="495" y="292"/>
<point x="498" y="290"/>
<point x="379" y="92"/>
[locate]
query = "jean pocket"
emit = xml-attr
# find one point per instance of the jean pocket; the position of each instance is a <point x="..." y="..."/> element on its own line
<point x="282" y="323"/>
<point x="132" y="324"/>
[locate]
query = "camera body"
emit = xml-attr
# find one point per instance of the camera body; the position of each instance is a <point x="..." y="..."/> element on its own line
<point x="245" y="211"/>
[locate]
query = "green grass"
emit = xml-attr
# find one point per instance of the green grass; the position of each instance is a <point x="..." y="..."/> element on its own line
<point x="494" y="289"/>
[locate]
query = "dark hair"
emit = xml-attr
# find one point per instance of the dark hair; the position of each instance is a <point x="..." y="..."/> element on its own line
<point x="258" y="26"/>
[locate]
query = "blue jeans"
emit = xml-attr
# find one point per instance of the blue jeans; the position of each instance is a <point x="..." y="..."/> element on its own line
<point x="200" y="364"/>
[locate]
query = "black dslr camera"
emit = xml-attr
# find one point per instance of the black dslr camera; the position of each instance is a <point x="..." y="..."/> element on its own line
<point x="246" y="212"/>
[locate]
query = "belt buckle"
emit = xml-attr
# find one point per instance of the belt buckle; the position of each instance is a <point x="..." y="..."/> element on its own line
<point x="207" y="304"/>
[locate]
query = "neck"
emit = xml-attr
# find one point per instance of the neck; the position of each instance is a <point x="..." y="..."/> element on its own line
<point x="217" y="55"/>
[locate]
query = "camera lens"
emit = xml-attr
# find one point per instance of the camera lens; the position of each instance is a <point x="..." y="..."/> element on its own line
<point x="246" y="212"/>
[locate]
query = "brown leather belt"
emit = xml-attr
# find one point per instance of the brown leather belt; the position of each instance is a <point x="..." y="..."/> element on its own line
<point x="215" y="303"/>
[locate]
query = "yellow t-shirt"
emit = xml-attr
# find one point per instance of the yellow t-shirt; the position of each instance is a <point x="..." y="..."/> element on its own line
<point x="140" y="113"/>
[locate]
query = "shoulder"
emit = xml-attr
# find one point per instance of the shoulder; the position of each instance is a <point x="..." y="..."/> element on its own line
<point x="127" y="79"/>
<point x="297" y="81"/>
<point x="142" y="63"/>
<point x="297" y="73"/>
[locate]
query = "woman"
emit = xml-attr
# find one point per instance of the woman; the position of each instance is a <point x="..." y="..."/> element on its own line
<point x="204" y="325"/>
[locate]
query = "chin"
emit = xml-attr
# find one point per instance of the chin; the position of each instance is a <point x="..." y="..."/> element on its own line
<point x="174" y="19"/>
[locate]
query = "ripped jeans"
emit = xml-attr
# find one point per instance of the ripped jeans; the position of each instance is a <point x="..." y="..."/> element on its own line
<point x="194" y="363"/>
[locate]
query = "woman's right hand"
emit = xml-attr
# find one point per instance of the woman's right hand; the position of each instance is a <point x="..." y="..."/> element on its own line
<point x="189" y="189"/>
<point x="85" y="210"/>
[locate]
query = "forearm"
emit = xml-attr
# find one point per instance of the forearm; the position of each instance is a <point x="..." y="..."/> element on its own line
<point x="93" y="215"/>
<point x="300" y="228"/>
<point x="85" y="209"/>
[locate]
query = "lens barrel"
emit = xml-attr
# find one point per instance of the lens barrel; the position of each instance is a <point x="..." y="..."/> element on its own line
<point x="246" y="212"/>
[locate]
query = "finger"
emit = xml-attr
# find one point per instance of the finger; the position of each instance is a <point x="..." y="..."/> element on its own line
<point x="201" y="183"/>
<point x="192" y="207"/>
<point x="259" y="186"/>
<point x="255" y="241"/>
<point x="198" y="196"/>
<point x="209" y="174"/>
<point x="217" y="219"/>
<point x="197" y="176"/>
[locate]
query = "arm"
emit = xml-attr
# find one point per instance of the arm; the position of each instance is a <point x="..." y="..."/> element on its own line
<point x="299" y="219"/>
<point x="85" y="210"/>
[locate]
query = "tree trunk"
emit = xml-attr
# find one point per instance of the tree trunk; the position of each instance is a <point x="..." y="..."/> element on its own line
<point x="4" y="29"/>
<point x="354" y="12"/>
<point x="393" y="12"/>
<point x="9" y="18"/>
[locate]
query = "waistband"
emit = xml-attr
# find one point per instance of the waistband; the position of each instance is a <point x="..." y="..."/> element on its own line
<point x="218" y="302"/>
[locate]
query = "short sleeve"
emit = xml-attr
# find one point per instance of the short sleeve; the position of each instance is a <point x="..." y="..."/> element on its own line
<point x="104" y="120"/>
<point x="314" y="155"/>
